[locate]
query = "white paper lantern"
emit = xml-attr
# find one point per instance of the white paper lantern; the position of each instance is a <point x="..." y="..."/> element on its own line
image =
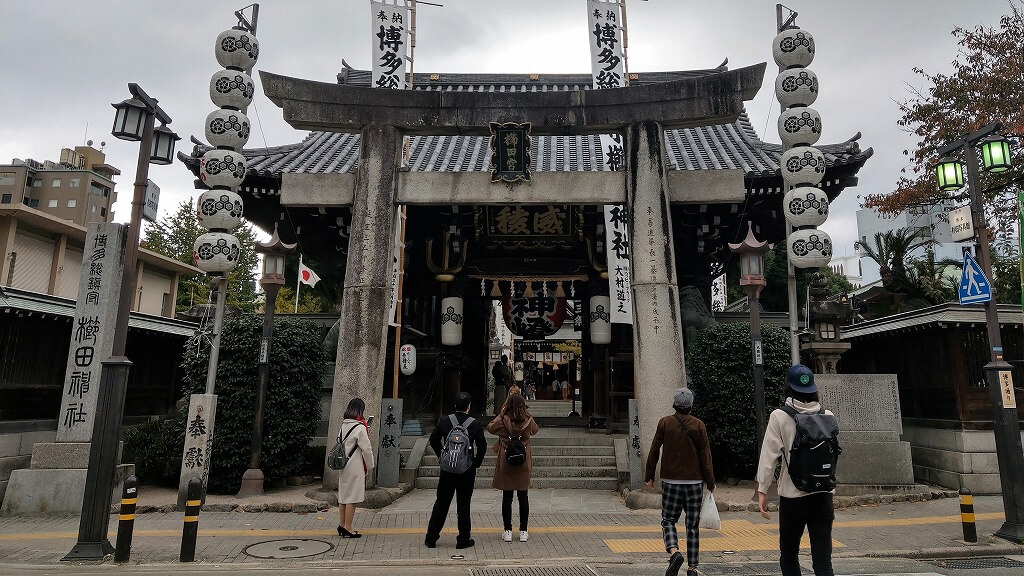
<point x="227" y="128"/>
<point x="219" y="210"/>
<point x="231" y="89"/>
<point x="809" y="248"/>
<point x="222" y="169"/>
<point x="799" y="126"/>
<point x="805" y="206"/>
<point x="451" y="321"/>
<point x="796" y="87"/>
<point x="600" y="320"/>
<point x="793" y="47"/>
<point x="216" y="252"/>
<point x="802" y="165"/>
<point x="237" y="49"/>
<point x="407" y="359"/>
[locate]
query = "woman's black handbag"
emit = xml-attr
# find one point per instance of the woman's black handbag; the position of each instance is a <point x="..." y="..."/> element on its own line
<point x="338" y="459"/>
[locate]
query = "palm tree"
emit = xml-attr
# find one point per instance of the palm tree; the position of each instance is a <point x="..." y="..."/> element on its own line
<point x="891" y="251"/>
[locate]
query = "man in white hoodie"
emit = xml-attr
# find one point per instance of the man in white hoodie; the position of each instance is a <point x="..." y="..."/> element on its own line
<point x="797" y="509"/>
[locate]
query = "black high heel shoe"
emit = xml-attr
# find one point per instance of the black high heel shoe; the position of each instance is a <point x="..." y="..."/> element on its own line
<point x="346" y="534"/>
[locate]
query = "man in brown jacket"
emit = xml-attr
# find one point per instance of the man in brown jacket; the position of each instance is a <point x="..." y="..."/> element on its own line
<point x="684" y="471"/>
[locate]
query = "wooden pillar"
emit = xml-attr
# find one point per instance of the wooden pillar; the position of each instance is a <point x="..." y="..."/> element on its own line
<point x="366" y="296"/>
<point x="657" y="326"/>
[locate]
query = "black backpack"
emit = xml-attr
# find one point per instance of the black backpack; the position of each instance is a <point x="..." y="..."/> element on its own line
<point x="815" y="451"/>
<point x="515" y="453"/>
<point x="338" y="458"/>
<point x="457" y="449"/>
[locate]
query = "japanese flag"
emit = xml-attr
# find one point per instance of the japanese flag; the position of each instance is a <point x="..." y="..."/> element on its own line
<point x="307" y="276"/>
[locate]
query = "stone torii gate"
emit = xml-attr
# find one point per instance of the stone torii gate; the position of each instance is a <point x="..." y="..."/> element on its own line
<point x="646" y="186"/>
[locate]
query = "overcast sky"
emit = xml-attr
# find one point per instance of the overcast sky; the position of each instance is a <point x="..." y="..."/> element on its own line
<point x="63" y="62"/>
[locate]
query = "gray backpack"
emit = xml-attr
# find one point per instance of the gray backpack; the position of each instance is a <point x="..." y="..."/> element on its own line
<point x="457" y="450"/>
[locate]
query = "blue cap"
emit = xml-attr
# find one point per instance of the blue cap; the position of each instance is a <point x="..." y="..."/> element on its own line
<point x="801" y="379"/>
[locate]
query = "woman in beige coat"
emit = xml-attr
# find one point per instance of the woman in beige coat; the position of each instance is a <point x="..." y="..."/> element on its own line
<point x="352" y="478"/>
<point x="514" y="421"/>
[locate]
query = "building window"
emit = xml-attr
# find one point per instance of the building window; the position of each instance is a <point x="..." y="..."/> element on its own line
<point x="55" y="183"/>
<point x="37" y="182"/>
<point x="103" y="212"/>
<point x="72" y="203"/>
<point x="52" y="203"/>
<point x="6" y="179"/>
<point x="5" y="199"/>
<point x="75" y="182"/>
<point x="93" y="208"/>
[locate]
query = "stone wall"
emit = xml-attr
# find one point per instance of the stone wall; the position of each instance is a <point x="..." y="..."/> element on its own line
<point x="955" y="458"/>
<point x="16" y="441"/>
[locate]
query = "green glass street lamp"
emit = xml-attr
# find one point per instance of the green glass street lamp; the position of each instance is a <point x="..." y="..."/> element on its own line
<point x="995" y="154"/>
<point x="950" y="173"/>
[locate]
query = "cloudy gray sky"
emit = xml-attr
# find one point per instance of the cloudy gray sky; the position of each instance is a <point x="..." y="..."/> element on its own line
<point x="63" y="62"/>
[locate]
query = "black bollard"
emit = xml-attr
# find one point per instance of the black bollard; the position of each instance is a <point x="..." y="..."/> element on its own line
<point x="190" y="530"/>
<point x="967" y="515"/>
<point x="126" y="520"/>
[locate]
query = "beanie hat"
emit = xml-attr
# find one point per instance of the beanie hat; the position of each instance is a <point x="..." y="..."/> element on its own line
<point x="683" y="399"/>
<point x="801" y="379"/>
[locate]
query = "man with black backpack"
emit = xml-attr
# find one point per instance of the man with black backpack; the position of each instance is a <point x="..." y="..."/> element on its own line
<point x="458" y="440"/>
<point x="805" y="437"/>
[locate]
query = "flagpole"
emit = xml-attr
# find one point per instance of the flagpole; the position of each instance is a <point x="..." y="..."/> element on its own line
<point x="298" y="285"/>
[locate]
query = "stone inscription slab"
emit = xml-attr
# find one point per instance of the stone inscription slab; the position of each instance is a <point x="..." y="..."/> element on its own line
<point x="92" y="332"/>
<point x="389" y="456"/>
<point x="634" y="455"/>
<point x="195" y="458"/>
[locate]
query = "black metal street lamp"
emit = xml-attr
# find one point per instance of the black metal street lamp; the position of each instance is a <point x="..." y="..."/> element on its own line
<point x="274" y="252"/>
<point x="751" y="251"/>
<point x="995" y="154"/>
<point x="134" y="121"/>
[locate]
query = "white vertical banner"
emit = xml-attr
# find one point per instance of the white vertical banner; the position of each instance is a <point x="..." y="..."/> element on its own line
<point x="395" y="256"/>
<point x="389" y="36"/>
<point x="617" y="247"/>
<point x="608" y="70"/>
<point x="719" y="296"/>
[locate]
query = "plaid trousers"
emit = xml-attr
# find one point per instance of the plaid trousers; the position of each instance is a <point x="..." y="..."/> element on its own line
<point x="675" y="499"/>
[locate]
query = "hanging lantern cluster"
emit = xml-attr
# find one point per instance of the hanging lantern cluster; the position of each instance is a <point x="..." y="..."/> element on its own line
<point x="802" y="165"/>
<point x="219" y="209"/>
<point x="532" y="310"/>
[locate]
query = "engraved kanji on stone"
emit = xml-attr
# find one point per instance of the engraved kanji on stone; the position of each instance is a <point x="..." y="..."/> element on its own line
<point x="87" y="329"/>
<point x="197" y="427"/>
<point x="194" y="458"/>
<point x="79" y="383"/>
<point x="75" y="414"/>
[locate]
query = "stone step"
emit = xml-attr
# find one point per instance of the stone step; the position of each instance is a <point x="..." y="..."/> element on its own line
<point x="538" y="461"/>
<point x="538" y="471"/>
<point x="484" y="481"/>
<point x="588" y="441"/>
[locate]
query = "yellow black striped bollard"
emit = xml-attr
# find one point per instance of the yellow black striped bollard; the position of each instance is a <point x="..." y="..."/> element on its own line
<point x="967" y="515"/>
<point x="126" y="520"/>
<point x="190" y="530"/>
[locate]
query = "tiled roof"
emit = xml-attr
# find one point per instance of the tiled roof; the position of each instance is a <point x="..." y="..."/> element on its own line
<point x="724" y="146"/>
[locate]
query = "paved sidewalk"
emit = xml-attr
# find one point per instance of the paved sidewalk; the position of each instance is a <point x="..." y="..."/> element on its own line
<point x="568" y="526"/>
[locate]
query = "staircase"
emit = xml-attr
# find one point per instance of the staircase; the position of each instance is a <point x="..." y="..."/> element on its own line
<point x="550" y="408"/>
<point x="562" y="458"/>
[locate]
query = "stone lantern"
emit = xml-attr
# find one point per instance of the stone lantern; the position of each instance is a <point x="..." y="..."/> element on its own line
<point x="823" y="344"/>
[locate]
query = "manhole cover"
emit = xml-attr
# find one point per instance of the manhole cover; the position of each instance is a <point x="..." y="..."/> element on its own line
<point x="535" y="571"/>
<point x="978" y="563"/>
<point x="275" y="549"/>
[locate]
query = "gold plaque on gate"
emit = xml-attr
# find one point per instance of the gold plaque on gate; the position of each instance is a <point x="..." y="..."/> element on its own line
<point x="1006" y="389"/>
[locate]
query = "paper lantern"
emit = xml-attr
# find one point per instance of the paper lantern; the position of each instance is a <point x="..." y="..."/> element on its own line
<point x="451" y="321"/>
<point x="226" y="128"/>
<point x="216" y="252"/>
<point x="799" y="126"/>
<point x="219" y="210"/>
<point x="222" y="169"/>
<point x="231" y="89"/>
<point x="407" y="359"/>
<point x="539" y="315"/>
<point x="805" y="206"/>
<point x="802" y="165"/>
<point x="793" y="47"/>
<point x="237" y="49"/>
<point x="809" y="248"/>
<point x="796" y="87"/>
<point x="600" y="320"/>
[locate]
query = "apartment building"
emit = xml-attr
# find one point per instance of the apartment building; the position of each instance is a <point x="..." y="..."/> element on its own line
<point x="78" y="189"/>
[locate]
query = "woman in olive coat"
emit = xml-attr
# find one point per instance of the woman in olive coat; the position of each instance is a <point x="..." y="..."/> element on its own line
<point x="514" y="421"/>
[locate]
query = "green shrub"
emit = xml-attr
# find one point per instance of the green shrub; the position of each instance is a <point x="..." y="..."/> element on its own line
<point x="155" y="449"/>
<point x="722" y="376"/>
<point x="291" y="411"/>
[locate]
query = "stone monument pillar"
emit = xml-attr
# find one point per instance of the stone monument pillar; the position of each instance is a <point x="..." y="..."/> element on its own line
<point x="657" y="328"/>
<point x="366" y="296"/>
<point x="55" y="480"/>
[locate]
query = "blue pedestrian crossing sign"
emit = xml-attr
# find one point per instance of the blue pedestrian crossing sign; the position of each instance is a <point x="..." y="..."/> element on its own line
<point x="974" y="286"/>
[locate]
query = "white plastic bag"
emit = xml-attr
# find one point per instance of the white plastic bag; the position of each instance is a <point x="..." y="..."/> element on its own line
<point x="709" y="517"/>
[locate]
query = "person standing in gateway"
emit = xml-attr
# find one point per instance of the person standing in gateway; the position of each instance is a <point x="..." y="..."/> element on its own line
<point x="685" y="469"/>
